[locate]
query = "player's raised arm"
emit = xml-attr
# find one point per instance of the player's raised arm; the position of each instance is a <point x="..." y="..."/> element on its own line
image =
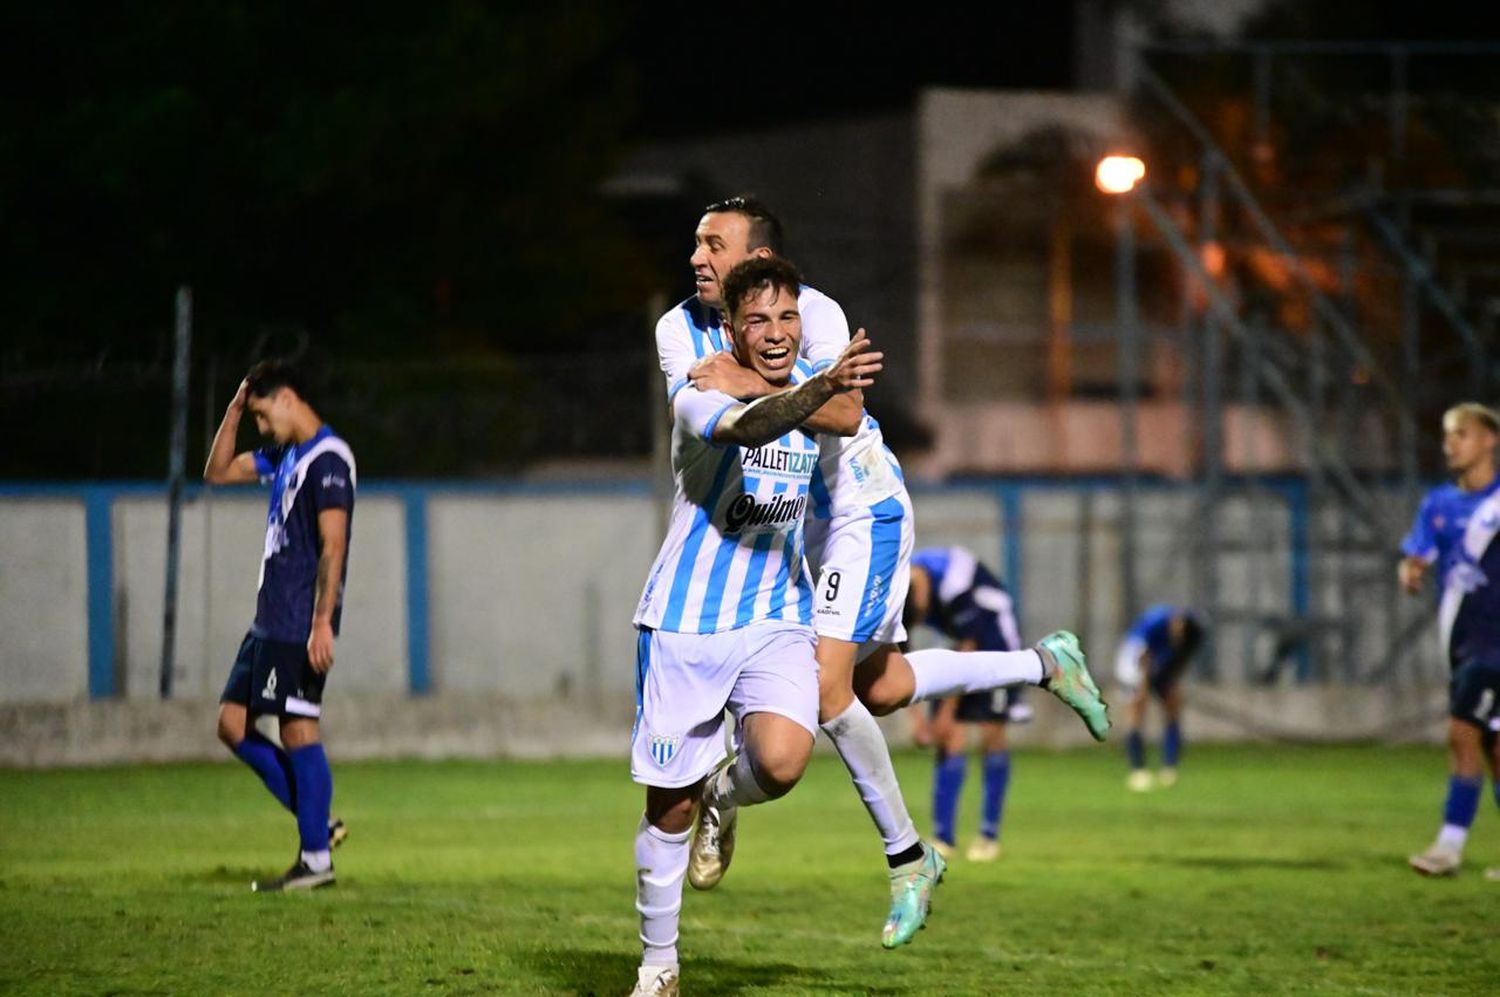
<point x="839" y="416"/>
<point x="224" y="466"/>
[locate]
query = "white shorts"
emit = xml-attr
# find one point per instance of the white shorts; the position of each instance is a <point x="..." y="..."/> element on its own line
<point x="863" y="566"/>
<point x="684" y="682"/>
<point x="1128" y="664"/>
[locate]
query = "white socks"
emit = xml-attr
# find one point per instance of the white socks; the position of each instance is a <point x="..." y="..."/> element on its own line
<point x="735" y="785"/>
<point x="661" y="861"/>
<point x="318" y="861"/>
<point x="857" y="737"/>
<point x="938" y="674"/>
<point x="1453" y="836"/>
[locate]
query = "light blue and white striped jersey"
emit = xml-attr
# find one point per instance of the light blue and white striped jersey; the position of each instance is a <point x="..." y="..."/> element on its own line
<point x="734" y="550"/>
<point x="855" y="472"/>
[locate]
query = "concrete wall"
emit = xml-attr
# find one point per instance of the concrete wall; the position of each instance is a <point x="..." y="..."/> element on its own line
<point x="530" y="595"/>
<point x="43" y="601"/>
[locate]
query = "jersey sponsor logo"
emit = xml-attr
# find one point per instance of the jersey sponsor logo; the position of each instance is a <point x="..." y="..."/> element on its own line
<point x="334" y="481"/>
<point x="776" y="459"/>
<point x="748" y="511"/>
<point x="663" y="747"/>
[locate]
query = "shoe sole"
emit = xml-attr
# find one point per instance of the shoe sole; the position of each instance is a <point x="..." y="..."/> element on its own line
<point x="310" y="883"/>
<point x="1432" y="873"/>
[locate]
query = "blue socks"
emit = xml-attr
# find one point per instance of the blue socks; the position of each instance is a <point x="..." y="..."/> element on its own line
<point x="1135" y="749"/>
<point x="996" y="779"/>
<point x="1171" y="744"/>
<point x="272" y="765"/>
<point x="947" y="784"/>
<point x="314" y="795"/>
<point x="1463" y="801"/>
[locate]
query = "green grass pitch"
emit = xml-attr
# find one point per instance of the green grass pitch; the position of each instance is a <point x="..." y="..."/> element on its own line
<point x="1266" y="870"/>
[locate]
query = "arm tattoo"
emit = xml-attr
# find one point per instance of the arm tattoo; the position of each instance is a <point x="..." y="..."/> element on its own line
<point x="764" y="419"/>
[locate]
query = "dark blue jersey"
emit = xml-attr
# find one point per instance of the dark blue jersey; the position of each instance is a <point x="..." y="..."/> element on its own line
<point x="305" y="478"/>
<point x="1469" y="606"/>
<point x="1439" y="527"/>
<point x="967" y="602"/>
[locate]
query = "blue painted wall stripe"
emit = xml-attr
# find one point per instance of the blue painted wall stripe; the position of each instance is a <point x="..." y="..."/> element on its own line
<point x="98" y="505"/>
<point x="419" y="678"/>
<point x="1012" y="556"/>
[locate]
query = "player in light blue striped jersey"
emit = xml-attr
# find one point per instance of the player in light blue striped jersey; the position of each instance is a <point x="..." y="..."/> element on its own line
<point x="1455" y="529"/>
<point x="859" y="544"/>
<point x="725" y="618"/>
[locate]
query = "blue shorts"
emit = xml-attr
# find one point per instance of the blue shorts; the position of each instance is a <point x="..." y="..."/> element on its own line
<point x="992" y="706"/>
<point x="1474" y="695"/>
<point x="274" y="676"/>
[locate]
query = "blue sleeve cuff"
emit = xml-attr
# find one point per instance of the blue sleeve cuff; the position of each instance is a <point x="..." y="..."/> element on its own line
<point x="708" y="429"/>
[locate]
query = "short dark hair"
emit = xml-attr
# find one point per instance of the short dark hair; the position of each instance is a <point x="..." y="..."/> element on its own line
<point x="269" y="376"/>
<point x="765" y="227"/>
<point x="759" y="273"/>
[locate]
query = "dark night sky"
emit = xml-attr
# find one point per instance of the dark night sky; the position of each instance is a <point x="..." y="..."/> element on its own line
<point x="715" y="68"/>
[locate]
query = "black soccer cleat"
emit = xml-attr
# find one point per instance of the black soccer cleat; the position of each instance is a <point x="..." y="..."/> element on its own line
<point x="337" y="832"/>
<point x="298" y="877"/>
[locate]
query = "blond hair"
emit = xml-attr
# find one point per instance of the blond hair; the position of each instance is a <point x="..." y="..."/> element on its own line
<point x="1480" y="413"/>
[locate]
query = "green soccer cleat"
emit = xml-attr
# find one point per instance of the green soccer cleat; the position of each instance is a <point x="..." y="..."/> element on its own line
<point x="911" y="897"/>
<point x="1067" y="678"/>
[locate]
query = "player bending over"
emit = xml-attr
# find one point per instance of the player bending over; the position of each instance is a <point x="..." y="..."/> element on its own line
<point x="960" y="598"/>
<point x="1152" y="659"/>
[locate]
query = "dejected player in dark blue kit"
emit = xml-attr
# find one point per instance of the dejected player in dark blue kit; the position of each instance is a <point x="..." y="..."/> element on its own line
<point x="954" y="594"/>
<point x="1151" y="661"/>
<point x="284" y="660"/>
<point x="1455" y="531"/>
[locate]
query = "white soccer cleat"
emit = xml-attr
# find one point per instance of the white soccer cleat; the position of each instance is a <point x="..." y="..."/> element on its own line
<point x="1493" y="875"/>
<point x="1166" y="778"/>
<point x="1439" y="860"/>
<point x="1140" y="781"/>
<point x="655" y="981"/>
<point x="983" y="850"/>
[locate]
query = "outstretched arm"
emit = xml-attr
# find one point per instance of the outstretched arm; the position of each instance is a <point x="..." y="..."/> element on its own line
<point x="767" y="418"/>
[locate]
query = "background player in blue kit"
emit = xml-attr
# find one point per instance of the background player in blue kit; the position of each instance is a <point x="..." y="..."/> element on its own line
<point x="954" y="594"/>
<point x="284" y="660"/>
<point x="1455" y="530"/>
<point x="1151" y="661"/>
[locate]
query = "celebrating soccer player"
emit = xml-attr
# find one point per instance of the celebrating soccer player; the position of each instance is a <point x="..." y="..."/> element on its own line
<point x="284" y="660"/>
<point x="1455" y="529"/>
<point x="859" y="543"/>
<point x="725" y="618"/>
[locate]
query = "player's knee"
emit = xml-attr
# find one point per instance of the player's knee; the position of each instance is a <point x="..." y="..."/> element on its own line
<point x="778" y="767"/>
